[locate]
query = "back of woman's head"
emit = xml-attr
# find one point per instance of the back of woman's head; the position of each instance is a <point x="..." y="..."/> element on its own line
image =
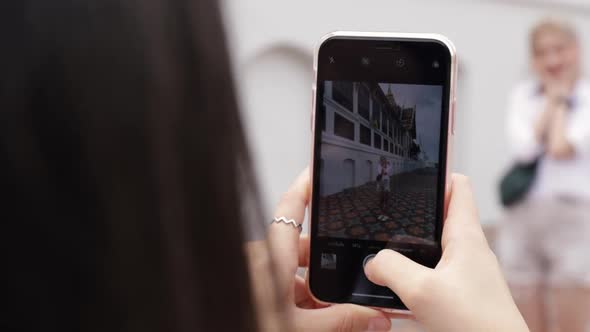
<point x="121" y="162"/>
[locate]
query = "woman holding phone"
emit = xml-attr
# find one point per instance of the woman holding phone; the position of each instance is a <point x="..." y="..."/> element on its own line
<point x="113" y="222"/>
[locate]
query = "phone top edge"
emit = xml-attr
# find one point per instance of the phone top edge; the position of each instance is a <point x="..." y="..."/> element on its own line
<point x="385" y="35"/>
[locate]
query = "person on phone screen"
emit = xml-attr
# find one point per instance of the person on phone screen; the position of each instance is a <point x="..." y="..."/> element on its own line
<point x="383" y="186"/>
<point x="544" y="241"/>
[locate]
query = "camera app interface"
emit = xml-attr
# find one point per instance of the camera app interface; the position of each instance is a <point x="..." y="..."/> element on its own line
<point x="379" y="161"/>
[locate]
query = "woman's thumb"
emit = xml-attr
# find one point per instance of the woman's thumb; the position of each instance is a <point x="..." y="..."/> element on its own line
<point x="397" y="272"/>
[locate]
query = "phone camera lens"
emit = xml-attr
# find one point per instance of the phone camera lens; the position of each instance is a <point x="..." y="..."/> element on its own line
<point x="435" y="64"/>
<point x="400" y="62"/>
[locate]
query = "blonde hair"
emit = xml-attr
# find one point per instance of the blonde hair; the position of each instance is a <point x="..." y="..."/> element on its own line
<point x="552" y="24"/>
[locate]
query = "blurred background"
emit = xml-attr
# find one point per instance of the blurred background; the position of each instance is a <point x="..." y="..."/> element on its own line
<point x="272" y="43"/>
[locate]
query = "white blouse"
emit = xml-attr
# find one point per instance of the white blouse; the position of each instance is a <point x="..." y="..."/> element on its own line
<point x="568" y="178"/>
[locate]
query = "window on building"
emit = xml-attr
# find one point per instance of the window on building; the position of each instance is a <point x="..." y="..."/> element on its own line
<point x="391" y="147"/>
<point x="343" y="127"/>
<point x="342" y="93"/>
<point x="376" y="120"/>
<point x="390" y="129"/>
<point x="363" y="100"/>
<point x="349" y="173"/>
<point x="377" y="141"/>
<point x="365" y="133"/>
<point x="385" y="145"/>
<point x="369" y="171"/>
<point x="384" y="119"/>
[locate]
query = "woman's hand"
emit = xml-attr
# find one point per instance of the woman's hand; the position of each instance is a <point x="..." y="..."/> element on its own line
<point x="466" y="291"/>
<point x="290" y="251"/>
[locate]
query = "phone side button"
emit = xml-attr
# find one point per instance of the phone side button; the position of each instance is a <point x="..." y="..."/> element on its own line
<point x="454" y="116"/>
<point x="312" y="120"/>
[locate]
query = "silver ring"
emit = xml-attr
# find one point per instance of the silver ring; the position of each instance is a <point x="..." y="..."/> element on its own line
<point x="287" y="221"/>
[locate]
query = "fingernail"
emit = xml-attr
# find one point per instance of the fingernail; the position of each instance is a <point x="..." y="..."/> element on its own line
<point x="379" y="324"/>
<point x="367" y="262"/>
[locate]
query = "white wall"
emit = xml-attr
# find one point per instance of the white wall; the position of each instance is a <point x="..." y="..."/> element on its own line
<point x="271" y="43"/>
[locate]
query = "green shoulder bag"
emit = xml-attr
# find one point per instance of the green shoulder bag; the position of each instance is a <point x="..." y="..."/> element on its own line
<point x="517" y="182"/>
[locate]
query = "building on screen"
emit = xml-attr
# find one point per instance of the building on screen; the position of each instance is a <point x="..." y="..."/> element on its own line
<point x="361" y="123"/>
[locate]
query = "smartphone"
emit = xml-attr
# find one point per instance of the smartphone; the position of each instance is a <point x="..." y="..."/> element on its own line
<point x="383" y="123"/>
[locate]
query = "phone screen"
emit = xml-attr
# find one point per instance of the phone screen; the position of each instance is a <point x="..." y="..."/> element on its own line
<point x="379" y="161"/>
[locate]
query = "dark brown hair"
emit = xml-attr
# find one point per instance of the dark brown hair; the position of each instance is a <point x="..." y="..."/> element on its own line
<point x="122" y="161"/>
